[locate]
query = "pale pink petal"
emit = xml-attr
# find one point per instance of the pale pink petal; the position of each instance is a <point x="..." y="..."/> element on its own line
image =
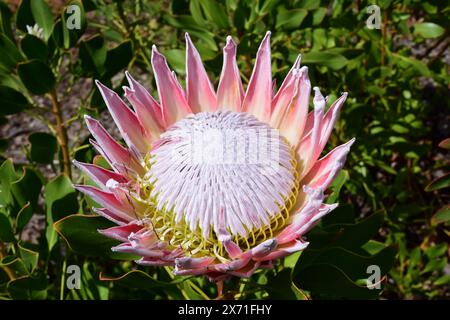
<point x="258" y="97"/>
<point x="285" y="95"/>
<point x="309" y="124"/>
<point x="148" y="111"/>
<point x="325" y="170"/>
<point x="111" y="216"/>
<point x="193" y="263"/>
<point x="329" y="121"/>
<point x="307" y="151"/>
<point x="171" y="96"/>
<point x="190" y="272"/>
<point x="146" y="261"/>
<point x="99" y="175"/>
<point x="121" y="233"/>
<point x="287" y="82"/>
<point x="129" y="126"/>
<point x="247" y="271"/>
<point x="111" y="150"/>
<point x="264" y="248"/>
<point x="294" y="118"/>
<point x="199" y="90"/>
<point x="285" y="250"/>
<point x="233" y="265"/>
<point x="107" y="200"/>
<point x="230" y="92"/>
<point x="140" y="251"/>
<point x="323" y="211"/>
<point x="224" y="237"/>
<point x="303" y="215"/>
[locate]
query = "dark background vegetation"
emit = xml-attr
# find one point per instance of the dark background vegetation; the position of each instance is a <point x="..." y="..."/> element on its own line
<point x="391" y="213"/>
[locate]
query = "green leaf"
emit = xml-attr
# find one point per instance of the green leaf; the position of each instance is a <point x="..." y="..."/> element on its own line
<point x="34" y="48"/>
<point x="318" y="16"/>
<point x="439" y="183"/>
<point x="406" y="62"/>
<point x="29" y="287"/>
<point x="399" y="128"/>
<point x="43" y="147"/>
<point x="118" y="58"/>
<point x="27" y="188"/>
<point x="344" y="214"/>
<point x="21" y="193"/>
<point x="9" y="54"/>
<point x="6" y="231"/>
<point x="332" y="60"/>
<point x="373" y="247"/>
<point x="444" y="280"/>
<point x="354" y="265"/>
<point x="337" y="185"/>
<point x="62" y="37"/>
<point x="176" y="59"/>
<point x="290" y="19"/>
<point x="140" y="280"/>
<point x="428" y="30"/>
<point x="213" y="11"/>
<point x="435" y="265"/>
<point x="309" y="4"/>
<point x="334" y="272"/>
<point x="43" y="16"/>
<point x="80" y="233"/>
<point x="12" y="101"/>
<point x="329" y="281"/>
<point x="93" y="55"/>
<point x="23" y="216"/>
<point x="442" y="215"/>
<point x="188" y="24"/>
<point x="61" y="200"/>
<point x="5" y="20"/>
<point x="24" y="16"/>
<point x="278" y="286"/>
<point x="291" y="260"/>
<point x="348" y="236"/>
<point x="36" y="76"/>
<point x="7" y="176"/>
<point x="436" y="251"/>
<point x="15" y="264"/>
<point x="192" y="291"/>
<point x="29" y="257"/>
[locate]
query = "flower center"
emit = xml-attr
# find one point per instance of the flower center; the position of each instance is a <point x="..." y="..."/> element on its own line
<point x="218" y="169"/>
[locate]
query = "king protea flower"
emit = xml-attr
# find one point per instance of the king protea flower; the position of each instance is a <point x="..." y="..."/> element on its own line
<point x="215" y="182"/>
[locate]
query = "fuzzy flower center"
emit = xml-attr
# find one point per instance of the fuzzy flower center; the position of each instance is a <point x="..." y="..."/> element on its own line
<point x="217" y="171"/>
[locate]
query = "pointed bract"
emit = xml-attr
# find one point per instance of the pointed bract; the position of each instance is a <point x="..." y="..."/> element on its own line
<point x="171" y="96"/>
<point x="132" y="132"/>
<point x="230" y="92"/>
<point x="258" y="97"/>
<point x="199" y="90"/>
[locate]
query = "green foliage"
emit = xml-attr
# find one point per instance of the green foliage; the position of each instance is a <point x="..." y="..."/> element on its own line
<point x="43" y="147"/>
<point x="393" y="192"/>
<point x="81" y="231"/>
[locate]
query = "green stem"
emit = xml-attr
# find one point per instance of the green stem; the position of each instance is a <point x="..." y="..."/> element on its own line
<point x="63" y="280"/>
<point x="61" y="132"/>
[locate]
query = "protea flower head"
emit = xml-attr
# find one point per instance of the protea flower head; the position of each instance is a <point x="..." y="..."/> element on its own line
<point x="215" y="182"/>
